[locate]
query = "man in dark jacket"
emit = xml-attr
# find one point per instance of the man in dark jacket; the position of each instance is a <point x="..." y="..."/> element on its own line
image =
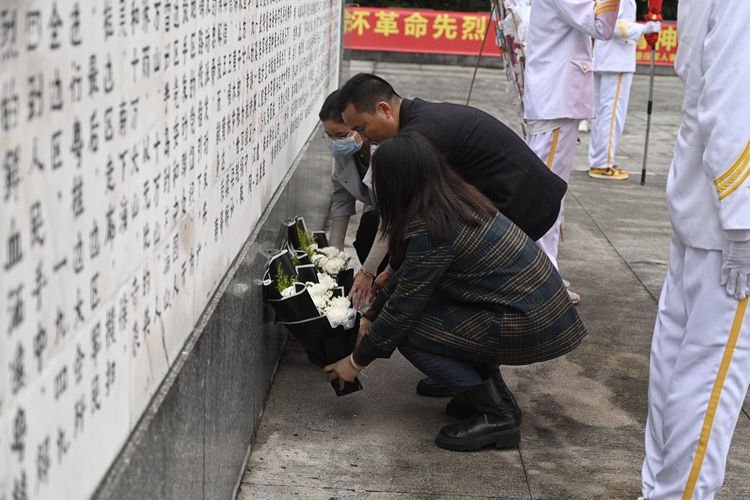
<point x="481" y="149"/>
<point x="486" y="153"/>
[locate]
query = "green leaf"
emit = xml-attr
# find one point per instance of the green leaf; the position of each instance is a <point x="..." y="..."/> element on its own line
<point x="283" y="281"/>
<point x="305" y="240"/>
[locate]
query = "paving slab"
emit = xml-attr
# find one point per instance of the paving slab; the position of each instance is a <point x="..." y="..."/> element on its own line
<point x="584" y="413"/>
<point x="380" y="440"/>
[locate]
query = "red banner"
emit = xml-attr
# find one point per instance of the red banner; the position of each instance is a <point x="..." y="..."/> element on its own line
<point x="459" y="33"/>
<point x="666" y="47"/>
<point x="423" y="31"/>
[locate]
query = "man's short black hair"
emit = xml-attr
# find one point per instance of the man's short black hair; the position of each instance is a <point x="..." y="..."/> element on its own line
<point x="329" y="111"/>
<point x="364" y="91"/>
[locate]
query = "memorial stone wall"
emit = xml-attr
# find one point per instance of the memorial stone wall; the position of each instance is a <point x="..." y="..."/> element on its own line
<point x="140" y="142"/>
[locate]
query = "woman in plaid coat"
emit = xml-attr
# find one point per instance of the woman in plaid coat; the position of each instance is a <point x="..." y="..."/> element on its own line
<point x="473" y="291"/>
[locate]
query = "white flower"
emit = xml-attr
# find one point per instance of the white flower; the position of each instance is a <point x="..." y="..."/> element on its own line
<point x="319" y="260"/>
<point x="313" y="247"/>
<point x="334" y="265"/>
<point x="344" y="256"/>
<point x="340" y="303"/>
<point x="320" y="294"/>
<point x="288" y="291"/>
<point x="329" y="251"/>
<point x="321" y="302"/>
<point x="338" y="315"/>
<point x="327" y="281"/>
<point x="318" y="290"/>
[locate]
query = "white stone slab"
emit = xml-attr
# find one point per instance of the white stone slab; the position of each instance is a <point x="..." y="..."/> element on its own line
<point x="131" y="133"/>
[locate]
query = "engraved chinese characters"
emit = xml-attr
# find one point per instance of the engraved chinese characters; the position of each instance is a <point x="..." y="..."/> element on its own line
<point x="140" y="140"/>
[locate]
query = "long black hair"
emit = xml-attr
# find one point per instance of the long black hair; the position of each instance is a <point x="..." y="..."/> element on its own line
<point x="412" y="178"/>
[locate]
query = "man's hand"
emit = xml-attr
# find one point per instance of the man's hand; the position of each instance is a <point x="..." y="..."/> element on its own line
<point x="652" y="27"/>
<point x="342" y="370"/>
<point x="653" y="37"/>
<point x="360" y="290"/>
<point x="735" y="267"/>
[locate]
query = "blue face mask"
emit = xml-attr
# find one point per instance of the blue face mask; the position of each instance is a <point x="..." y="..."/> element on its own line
<point x="346" y="147"/>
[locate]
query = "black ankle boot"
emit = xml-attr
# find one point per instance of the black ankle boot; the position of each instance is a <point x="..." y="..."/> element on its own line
<point x="459" y="407"/>
<point x="493" y="422"/>
<point x="508" y="398"/>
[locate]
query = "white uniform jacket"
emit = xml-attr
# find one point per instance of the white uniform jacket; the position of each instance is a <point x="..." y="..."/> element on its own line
<point x="618" y="54"/>
<point x="708" y="188"/>
<point x="559" y="71"/>
<point x="348" y="187"/>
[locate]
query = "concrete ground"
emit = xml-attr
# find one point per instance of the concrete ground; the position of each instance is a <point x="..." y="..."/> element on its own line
<point x="584" y="413"/>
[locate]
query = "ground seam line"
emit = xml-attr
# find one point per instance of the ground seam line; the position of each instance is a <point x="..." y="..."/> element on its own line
<point x="525" y="475"/>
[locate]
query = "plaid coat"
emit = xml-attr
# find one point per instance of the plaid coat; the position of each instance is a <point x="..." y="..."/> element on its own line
<point x="489" y="295"/>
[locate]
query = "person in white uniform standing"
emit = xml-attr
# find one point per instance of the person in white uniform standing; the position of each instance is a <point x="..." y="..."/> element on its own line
<point x="614" y="65"/>
<point x="559" y="82"/>
<point x="700" y="353"/>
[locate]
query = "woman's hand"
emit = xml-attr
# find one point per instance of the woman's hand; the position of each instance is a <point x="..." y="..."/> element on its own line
<point x="342" y="370"/>
<point x="364" y="325"/>
<point x="382" y="280"/>
<point x="360" y="290"/>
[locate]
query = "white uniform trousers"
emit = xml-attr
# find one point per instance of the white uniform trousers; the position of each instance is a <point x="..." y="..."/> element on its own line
<point x="611" y="94"/>
<point x="556" y="148"/>
<point x="700" y="370"/>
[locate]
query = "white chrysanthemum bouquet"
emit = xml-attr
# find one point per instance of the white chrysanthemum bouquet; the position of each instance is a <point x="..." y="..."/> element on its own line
<point x="306" y="285"/>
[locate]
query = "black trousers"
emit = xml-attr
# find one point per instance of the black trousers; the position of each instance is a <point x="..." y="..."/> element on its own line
<point x="366" y="234"/>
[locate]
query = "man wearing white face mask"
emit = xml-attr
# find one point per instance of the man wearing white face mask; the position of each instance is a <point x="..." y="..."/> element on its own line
<point x="351" y="183"/>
